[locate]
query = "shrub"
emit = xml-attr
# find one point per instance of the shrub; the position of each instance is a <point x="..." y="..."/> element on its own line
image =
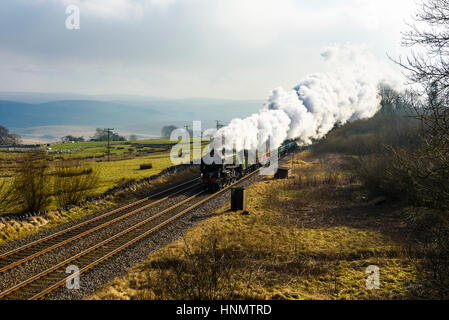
<point x="370" y="136"/>
<point x="146" y="166"/>
<point x="72" y="182"/>
<point x="75" y="170"/>
<point x="31" y="186"/>
<point x="203" y="271"/>
<point x="5" y="196"/>
<point x="381" y="175"/>
<point x="429" y="231"/>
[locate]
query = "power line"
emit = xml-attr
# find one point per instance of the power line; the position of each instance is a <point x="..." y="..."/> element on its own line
<point x="219" y="124"/>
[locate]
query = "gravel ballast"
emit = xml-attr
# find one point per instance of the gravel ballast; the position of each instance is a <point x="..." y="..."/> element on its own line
<point x="47" y="260"/>
<point x="120" y="264"/>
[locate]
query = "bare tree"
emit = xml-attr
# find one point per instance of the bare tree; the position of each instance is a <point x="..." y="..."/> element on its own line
<point x="101" y="135"/>
<point x="167" y="130"/>
<point x="71" y="138"/>
<point x="426" y="169"/>
<point x="31" y="185"/>
<point x="5" y="196"/>
<point x="72" y="182"/>
<point x="7" y="138"/>
<point x="431" y="38"/>
<point x="428" y="69"/>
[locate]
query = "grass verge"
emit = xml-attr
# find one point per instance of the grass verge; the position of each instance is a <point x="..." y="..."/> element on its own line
<point x="309" y="237"/>
<point x="12" y="229"/>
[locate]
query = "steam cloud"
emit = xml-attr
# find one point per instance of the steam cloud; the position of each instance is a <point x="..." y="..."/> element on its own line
<point x="348" y="92"/>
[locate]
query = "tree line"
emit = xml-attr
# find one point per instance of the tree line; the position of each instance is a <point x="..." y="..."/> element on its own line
<point x="99" y="135"/>
<point x="8" y="138"/>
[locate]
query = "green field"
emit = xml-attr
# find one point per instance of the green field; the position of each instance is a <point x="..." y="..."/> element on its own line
<point x="116" y="172"/>
<point x="62" y="146"/>
<point x="126" y="158"/>
<point x="99" y="148"/>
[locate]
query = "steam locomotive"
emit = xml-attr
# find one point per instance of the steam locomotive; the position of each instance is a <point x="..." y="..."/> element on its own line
<point x="217" y="176"/>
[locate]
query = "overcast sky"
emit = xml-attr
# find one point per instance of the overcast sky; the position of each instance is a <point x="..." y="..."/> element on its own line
<point x="238" y="49"/>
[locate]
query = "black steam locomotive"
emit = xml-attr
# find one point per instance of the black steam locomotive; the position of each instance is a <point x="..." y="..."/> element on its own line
<point x="217" y="176"/>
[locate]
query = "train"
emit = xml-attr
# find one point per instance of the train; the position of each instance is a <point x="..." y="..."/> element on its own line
<point x="218" y="176"/>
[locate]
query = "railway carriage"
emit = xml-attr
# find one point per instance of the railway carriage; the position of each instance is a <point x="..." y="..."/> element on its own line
<point x="217" y="176"/>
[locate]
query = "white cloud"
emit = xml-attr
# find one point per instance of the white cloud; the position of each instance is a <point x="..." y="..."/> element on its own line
<point x="375" y="14"/>
<point x="257" y="22"/>
<point x="215" y="48"/>
<point x="129" y="9"/>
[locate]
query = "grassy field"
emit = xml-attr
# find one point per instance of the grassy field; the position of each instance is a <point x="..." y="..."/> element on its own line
<point x="310" y="237"/>
<point x="61" y="146"/>
<point x="126" y="159"/>
<point x="99" y="148"/>
<point x="16" y="229"/>
<point x="118" y="172"/>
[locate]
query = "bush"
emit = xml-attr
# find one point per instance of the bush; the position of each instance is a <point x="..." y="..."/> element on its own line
<point x="427" y="174"/>
<point x="5" y="196"/>
<point x="370" y="136"/>
<point x="146" y="166"/>
<point x="31" y="186"/>
<point x="72" y="182"/>
<point x="203" y="271"/>
<point x="429" y="231"/>
<point x="382" y="176"/>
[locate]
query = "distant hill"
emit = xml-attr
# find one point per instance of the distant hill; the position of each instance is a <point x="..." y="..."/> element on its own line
<point x="145" y="115"/>
<point x="76" y="112"/>
<point x="42" y="97"/>
<point x="103" y="113"/>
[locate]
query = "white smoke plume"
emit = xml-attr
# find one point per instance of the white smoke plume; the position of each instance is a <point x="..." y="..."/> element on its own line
<point x="348" y="92"/>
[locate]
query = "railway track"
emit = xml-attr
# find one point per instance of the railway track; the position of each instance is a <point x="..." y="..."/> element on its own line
<point x="41" y="284"/>
<point x="15" y="257"/>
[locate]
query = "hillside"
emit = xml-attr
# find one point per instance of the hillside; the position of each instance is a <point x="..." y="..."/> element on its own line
<point x="71" y="112"/>
<point x="28" y="116"/>
<point x="18" y="114"/>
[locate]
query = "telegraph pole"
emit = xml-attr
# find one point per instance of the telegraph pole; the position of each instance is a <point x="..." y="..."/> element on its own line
<point x="187" y="129"/>
<point x="109" y="131"/>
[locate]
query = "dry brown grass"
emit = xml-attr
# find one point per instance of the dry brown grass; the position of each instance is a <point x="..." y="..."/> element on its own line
<point x="308" y="237"/>
<point x="72" y="182"/>
<point x="16" y="229"/>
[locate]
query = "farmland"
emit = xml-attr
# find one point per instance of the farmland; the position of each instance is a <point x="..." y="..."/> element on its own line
<point x="124" y="166"/>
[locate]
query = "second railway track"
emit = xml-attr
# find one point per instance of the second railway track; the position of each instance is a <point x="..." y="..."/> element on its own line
<point x="17" y="256"/>
<point x="44" y="282"/>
